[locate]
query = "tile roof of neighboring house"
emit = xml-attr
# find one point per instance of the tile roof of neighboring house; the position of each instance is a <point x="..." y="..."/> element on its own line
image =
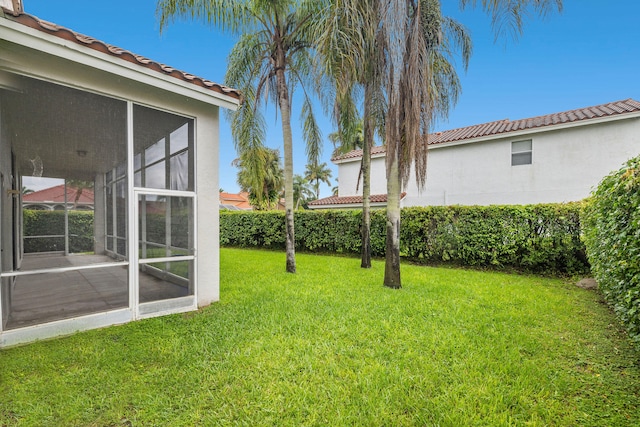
<point x="70" y="35"/>
<point x="351" y="200"/>
<point x="56" y="195"/>
<point x="240" y="200"/>
<point x="506" y="125"/>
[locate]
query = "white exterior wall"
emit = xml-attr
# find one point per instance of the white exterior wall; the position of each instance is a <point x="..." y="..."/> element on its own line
<point x="348" y="172"/>
<point x="567" y="164"/>
<point x="208" y="204"/>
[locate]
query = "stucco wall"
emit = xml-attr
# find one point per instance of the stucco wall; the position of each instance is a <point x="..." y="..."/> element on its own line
<point x="567" y="165"/>
<point x="208" y="274"/>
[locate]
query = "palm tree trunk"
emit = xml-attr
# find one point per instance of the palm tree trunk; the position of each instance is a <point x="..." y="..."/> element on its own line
<point x="392" y="254"/>
<point x="285" y="111"/>
<point x="366" y="181"/>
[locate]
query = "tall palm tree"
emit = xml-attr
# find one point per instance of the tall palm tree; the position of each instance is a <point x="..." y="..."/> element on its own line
<point x="423" y="85"/>
<point x="317" y="173"/>
<point x="353" y="57"/>
<point x="261" y="175"/>
<point x="272" y="56"/>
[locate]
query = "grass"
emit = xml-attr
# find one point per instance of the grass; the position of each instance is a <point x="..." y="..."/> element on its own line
<point x="331" y="346"/>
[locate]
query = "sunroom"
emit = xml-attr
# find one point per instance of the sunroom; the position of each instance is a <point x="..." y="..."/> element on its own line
<point x="143" y="139"/>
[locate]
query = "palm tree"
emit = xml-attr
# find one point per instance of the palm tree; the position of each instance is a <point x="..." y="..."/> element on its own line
<point x="353" y="56"/>
<point x="318" y="173"/>
<point x="343" y="143"/>
<point x="272" y="56"/>
<point x="260" y="174"/>
<point x="423" y="85"/>
<point x="79" y="185"/>
<point x="302" y="191"/>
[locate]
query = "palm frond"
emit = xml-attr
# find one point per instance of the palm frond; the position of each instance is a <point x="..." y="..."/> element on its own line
<point x="509" y="16"/>
<point x="311" y="132"/>
<point x="233" y="17"/>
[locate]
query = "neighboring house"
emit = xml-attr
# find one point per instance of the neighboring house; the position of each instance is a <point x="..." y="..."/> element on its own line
<point x="235" y="202"/>
<point x="72" y="107"/>
<point x="53" y="199"/>
<point x="553" y="158"/>
<point x="377" y="201"/>
<point x="240" y="202"/>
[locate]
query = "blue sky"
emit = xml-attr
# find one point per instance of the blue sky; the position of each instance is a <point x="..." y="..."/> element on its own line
<point x="587" y="55"/>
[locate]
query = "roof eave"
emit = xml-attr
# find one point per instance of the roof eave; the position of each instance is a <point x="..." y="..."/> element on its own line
<point x="353" y="159"/>
<point x="540" y="129"/>
<point x="19" y="34"/>
<point x="514" y="134"/>
<point x="348" y="206"/>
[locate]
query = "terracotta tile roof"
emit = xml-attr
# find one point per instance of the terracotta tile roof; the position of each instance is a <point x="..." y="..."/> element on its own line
<point x="506" y="125"/>
<point x="351" y="200"/>
<point x="70" y="35"/>
<point x="56" y="195"/>
<point x="240" y="200"/>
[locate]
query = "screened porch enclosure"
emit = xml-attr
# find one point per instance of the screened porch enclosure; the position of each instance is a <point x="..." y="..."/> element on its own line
<point x="137" y="249"/>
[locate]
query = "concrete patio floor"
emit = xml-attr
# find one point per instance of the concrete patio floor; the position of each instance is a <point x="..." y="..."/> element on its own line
<point x="45" y="297"/>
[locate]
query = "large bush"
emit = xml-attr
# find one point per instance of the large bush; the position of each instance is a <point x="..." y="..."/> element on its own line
<point x="45" y="223"/>
<point x="539" y="238"/>
<point x="612" y="235"/>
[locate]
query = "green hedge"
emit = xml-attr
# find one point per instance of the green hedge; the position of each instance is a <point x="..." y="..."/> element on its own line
<point x="43" y="223"/>
<point x="537" y="238"/>
<point x="612" y="235"/>
<point x="156" y="228"/>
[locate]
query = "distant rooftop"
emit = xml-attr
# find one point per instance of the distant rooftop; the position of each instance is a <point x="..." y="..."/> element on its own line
<point x="56" y="195"/>
<point x="505" y="126"/>
<point x="238" y="201"/>
<point x="350" y="200"/>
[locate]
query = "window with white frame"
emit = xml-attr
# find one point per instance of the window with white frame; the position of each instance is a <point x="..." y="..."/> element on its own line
<point x="521" y="152"/>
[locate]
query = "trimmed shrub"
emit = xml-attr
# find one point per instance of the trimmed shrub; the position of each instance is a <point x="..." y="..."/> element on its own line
<point x="263" y="229"/>
<point x="43" y="223"/>
<point x="537" y="238"/>
<point x="611" y="221"/>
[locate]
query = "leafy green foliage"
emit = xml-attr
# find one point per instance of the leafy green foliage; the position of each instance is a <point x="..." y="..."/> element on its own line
<point x="537" y="238"/>
<point x="260" y="174"/>
<point x="302" y="192"/>
<point x="43" y="223"/>
<point x="612" y="237"/>
<point x="317" y="173"/>
<point x="264" y="229"/>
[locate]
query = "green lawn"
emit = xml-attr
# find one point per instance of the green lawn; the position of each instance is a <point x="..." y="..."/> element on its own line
<point x="330" y="346"/>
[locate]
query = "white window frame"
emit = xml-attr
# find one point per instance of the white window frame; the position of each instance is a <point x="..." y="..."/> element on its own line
<point x="518" y="152"/>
